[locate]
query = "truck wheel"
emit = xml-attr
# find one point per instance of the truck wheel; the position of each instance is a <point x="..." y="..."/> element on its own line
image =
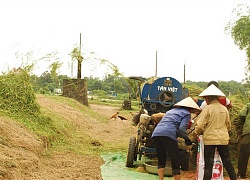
<point x="131" y="152"/>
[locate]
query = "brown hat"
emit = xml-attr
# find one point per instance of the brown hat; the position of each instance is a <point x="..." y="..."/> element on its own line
<point x="212" y="90"/>
<point x="188" y="102"/>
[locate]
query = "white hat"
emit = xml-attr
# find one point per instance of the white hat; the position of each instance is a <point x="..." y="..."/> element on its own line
<point x="188" y="102"/>
<point x="212" y="90"/>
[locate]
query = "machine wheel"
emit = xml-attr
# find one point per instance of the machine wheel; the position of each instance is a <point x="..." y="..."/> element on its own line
<point x="166" y="98"/>
<point x="131" y="152"/>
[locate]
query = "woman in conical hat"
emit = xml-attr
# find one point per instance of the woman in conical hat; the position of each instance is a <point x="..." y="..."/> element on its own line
<point x="173" y="124"/>
<point x="189" y="103"/>
<point x="213" y="123"/>
<point x="223" y="100"/>
<point x="212" y="90"/>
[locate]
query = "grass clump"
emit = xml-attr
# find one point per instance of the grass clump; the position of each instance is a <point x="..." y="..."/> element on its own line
<point x="18" y="101"/>
<point x="17" y="95"/>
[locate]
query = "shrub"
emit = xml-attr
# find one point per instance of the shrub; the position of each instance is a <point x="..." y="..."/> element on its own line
<point x="17" y="95"/>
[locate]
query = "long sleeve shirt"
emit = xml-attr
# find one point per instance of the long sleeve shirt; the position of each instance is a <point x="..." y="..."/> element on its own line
<point x="214" y="123"/>
<point x="173" y="124"/>
<point x="245" y="112"/>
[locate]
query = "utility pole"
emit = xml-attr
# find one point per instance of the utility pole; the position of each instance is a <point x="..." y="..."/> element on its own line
<point x="184" y="72"/>
<point x="80" y="58"/>
<point x="156" y="65"/>
<point x="71" y="69"/>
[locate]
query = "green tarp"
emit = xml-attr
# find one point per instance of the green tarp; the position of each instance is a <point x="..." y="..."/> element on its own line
<point x="115" y="169"/>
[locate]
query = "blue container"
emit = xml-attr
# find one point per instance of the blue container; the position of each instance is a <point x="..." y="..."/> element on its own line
<point x="161" y="94"/>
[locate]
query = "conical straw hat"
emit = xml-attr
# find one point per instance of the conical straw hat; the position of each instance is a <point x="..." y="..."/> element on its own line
<point x="212" y="90"/>
<point x="188" y="102"/>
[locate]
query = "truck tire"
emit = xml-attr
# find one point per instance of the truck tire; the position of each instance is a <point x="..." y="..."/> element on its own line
<point x="131" y="152"/>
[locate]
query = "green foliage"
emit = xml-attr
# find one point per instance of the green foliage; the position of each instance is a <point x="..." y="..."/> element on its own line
<point x="110" y="83"/>
<point x="238" y="102"/>
<point x="18" y="101"/>
<point x="240" y="33"/>
<point x="239" y="29"/>
<point x="17" y="95"/>
<point x="55" y="66"/>
<point x="194" y="90"/>
<point x="76" y="54"/>
<point x="100" y="93"/>
<point x="232" y="87"/>
<point x="45" y="83"/>
<point x="228" y="87"/>
<point x="94" y="83"/>
<point x="132" y="88"/>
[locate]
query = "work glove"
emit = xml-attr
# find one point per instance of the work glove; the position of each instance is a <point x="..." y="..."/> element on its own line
<point x="188" y="142"/>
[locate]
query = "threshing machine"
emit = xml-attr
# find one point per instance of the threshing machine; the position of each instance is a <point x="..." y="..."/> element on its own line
<point x="155" y="96"/>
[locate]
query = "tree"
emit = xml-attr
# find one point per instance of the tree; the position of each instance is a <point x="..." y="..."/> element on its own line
<point x="239" y="28"/>
<point x="54" y="67"/>
<point x="46" y="82"/>
<point x="76" y="54"/>
<point x="93" y="83"/>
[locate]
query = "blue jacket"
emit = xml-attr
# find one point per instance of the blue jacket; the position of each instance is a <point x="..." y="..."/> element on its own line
<point x="173" y="124"/>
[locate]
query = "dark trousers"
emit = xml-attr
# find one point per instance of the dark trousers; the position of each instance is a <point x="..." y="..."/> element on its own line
<point x="223" y="150"/>
<point x="244" y="156"/>
<point x="166" y="147"/>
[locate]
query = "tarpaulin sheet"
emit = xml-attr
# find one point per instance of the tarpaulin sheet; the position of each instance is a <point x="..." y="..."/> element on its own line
<point x="115" y="169"/>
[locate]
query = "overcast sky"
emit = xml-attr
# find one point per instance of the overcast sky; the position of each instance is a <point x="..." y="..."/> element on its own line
<point x="127" y="33"/>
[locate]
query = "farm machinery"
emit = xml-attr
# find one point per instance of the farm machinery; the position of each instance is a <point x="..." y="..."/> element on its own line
<point x="155" y="96"/>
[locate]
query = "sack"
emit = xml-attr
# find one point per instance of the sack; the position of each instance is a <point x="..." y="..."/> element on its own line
<point x="217" y="168"/>
<point x="156" y="118"/>
<point x="135" y="119"/>
<point x="145" y="119"/>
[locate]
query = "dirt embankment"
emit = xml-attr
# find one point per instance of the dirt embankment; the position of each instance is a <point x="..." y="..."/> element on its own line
<point x="21" y="151"/>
